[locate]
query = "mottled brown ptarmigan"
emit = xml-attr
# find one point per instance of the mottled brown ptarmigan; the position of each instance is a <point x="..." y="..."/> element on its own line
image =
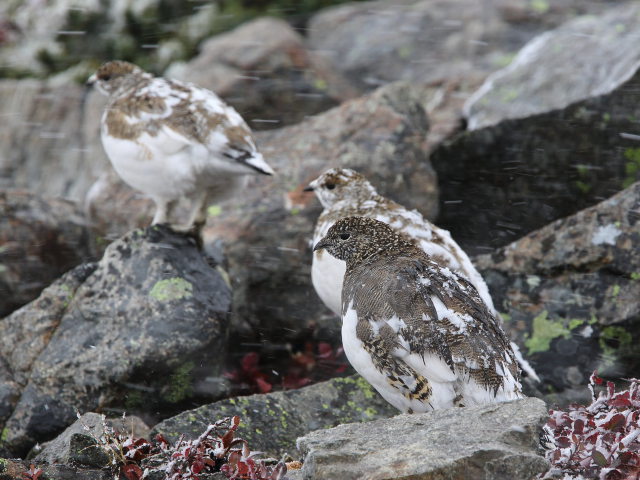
<point x="417" y="331"/>
<point x="344" y="192"/>
<point x="171" y="139"/>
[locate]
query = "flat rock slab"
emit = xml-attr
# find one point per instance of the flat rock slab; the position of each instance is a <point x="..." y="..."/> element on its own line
<point x="488" y="442"/>
<point x="569" y="292"/>
<point x="538" y="79"/>
<point x="271" y="422"/>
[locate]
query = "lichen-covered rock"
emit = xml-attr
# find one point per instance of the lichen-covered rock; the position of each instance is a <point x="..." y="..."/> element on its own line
<point x="501" y="182"/>
<point x="570" y="291"/>
<point x="39" y="240"/>
<point x="271" y="422"/>
<point x="264" y="69"/>
<point x="373" y="43"/>
<point x="491" y="442"/>
<point x="131" y="332"/>
<point x="50" y="138"/>
<point x="538" y="79"/>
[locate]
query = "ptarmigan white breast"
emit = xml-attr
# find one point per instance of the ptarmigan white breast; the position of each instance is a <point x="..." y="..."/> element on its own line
<point x="344" y="192"/>
<point x="418" y="332"/>
<point x="171" y="139"/>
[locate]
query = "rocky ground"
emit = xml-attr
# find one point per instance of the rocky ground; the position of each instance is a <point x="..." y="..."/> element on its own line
<point x="515" y="125"/>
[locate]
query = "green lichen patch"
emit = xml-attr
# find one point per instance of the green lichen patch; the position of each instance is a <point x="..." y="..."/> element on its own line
<point x="171" y="289"/>
<point x="544" y="330"/>
<point x="611" y="335"/>
<point x="632" y="167"/>
<point x="180" y="383"/>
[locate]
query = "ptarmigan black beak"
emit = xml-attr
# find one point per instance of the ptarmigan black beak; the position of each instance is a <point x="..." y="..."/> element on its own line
<point x="321" y="244"/>
<point x="308" y="189"/>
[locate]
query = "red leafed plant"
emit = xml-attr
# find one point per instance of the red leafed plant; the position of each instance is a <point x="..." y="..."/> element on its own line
<point x="313" y="364"/>
<point x="216" y="450"/>
<point x="33" y="473"/>
<point x="600" y="440"/>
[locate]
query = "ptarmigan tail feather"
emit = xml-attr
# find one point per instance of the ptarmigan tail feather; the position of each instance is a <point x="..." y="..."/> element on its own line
<point x="256" y="161"/>
<point x="524" y="364"/>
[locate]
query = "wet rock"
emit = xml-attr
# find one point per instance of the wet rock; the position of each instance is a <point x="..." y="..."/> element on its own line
<point x="39" y="240"/>
<point x="50" y="141"/>
<point x="130" y="334"/>
<point x="266" y="234"/>
<point x="264" y="70"/>
<point x="488" y="442"/>
<point x="538" y="80"/>
<point x="78" y="444"/>
<point x="569" y="292"/>
<point x="373" y="43"/>
<point x="501" y="182"/>
<point x="272" y="422"/>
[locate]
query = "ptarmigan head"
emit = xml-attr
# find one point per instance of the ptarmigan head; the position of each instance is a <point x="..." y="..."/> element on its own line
<point x="354" y="239"/>
<point x="114" y="75"/>
<point x="339" y="184"/>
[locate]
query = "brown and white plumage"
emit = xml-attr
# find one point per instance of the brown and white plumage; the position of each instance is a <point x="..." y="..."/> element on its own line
<point x="171" y="139"/>
<point x="344" y="192"/>
<point x="418" y="332"/>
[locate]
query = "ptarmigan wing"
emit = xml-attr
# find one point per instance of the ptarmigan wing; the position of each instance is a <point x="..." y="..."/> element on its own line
<point x="184" y="116"/>
<point x="432" y="321"/>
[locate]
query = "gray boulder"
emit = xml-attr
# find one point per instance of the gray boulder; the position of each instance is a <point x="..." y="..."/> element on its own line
<point x="425" y="41"/>
<point x="271" y="422"/>
<point x="126" y="333"/>
<point x="501" y="182"/>
<point x="603" y="52"/>
<point x="265" y="71"/>
<point x="49" y="141"/>
<point x="569" y="293"/>
<point x="497" y="442"/>
<point x="40" y="239"/>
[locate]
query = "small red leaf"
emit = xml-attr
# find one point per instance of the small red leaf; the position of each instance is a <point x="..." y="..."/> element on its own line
<point x="132" y="471"/>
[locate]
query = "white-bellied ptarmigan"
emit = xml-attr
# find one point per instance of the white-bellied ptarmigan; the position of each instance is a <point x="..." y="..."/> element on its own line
<point x="417" y="331"/>
<point x="171" y="139"/>
<point x="344" y="192"/>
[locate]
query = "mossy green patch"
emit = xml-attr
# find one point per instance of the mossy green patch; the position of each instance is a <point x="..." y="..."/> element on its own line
<point x="615" y="291"/>
<point x="540" y="6"/>
<point x="180" y="383"/>
<point x="635" y="276"/>
<point x="370" y="412"/>
<point x="4" y="435"/>
<point x="632" y="167"/>
<point x="574" y="323"/>
<point x="171" y="289"/>
<point x="214" y="210"/>
<point x="505" y="317"/>
<point x="544" y="330"/>
<point x="615" y="334"/>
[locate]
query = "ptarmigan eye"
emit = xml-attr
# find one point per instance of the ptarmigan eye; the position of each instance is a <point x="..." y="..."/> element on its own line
<point x="344" y="236"/>
<point x="105" y="78"/>
<point x="330" y="186"/>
